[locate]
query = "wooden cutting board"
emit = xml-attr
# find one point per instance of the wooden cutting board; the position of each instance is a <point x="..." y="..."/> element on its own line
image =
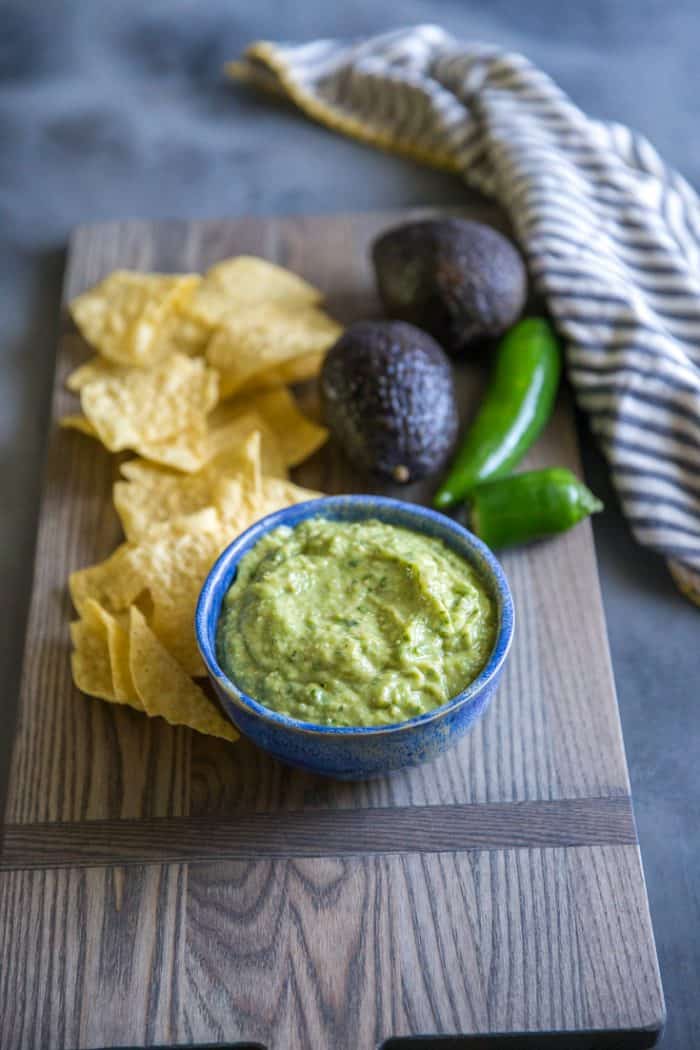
<point x="159" y="887"/>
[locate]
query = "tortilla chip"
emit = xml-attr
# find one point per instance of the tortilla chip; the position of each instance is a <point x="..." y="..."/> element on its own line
<point x="182" y="335"/>
<point x="78" y="422"/>
<point x="111" y="583"/>
<point x="90" y="662"/>
<point x="201" y="476"/>
<point x="244" y="281"/>
<point x="152" y="494"/>
<point x="225" y="441"/>
<point x="278" y="494"/>
<point x="141" y="506"/>
<point x="234" y="509"/>
<point x="300" y="370"/>
<point x="116" y="632"/>
<point x="123" y="315"/>
<point x="249" y="279"/>
<point x="250" y="470"/>
<point x="185" y="452"/>
<point x="165" y="690"/>
<point x="173" y="563"/>
<point x="148" y="407"/>
<point x="238" y="510"/>
<point x="170" y="566"/>
<point x="95" y="368"/>
<point x="245" y="501"/>
<point x="257" y="339"/>
<point x="298" y="436"/>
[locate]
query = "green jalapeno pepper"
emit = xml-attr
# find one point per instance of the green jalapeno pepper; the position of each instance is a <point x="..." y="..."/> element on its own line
<point x="529" y="506"/>
<point x="517" y="405"/>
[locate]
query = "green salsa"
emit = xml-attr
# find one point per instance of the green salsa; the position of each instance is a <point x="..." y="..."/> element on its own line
<point x="354" y="623"/>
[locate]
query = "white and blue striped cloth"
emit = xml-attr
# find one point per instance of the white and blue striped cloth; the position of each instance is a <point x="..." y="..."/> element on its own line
<point x="611" y="235"/>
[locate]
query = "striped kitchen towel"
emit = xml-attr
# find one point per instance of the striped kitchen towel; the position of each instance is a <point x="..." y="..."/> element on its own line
<point x="611" y="235"/>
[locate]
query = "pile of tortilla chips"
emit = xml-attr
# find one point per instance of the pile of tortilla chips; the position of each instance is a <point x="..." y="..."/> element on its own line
<point x="190" y="374"/>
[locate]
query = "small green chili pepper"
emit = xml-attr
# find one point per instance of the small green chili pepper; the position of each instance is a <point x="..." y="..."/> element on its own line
<point x="518" y="404"/>
<point x="529" y="506"/>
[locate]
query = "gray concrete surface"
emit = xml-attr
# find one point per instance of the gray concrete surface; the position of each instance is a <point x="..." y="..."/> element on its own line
<point x="117" y="108"/>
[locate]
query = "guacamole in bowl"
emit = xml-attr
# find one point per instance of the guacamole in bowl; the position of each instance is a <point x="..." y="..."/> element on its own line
<point x="354" y="623"/>
<point x="355" y="635"/>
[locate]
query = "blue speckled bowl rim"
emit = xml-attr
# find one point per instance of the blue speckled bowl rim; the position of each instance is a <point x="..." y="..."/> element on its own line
<point x="223" y="571"/>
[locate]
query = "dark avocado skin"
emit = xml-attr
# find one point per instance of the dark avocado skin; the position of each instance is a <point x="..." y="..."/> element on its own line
<point x="459" y="280"/>
<point x="388" y="397"/>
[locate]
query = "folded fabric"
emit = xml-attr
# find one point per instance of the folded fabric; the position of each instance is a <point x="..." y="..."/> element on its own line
<point x="611" y="236"/>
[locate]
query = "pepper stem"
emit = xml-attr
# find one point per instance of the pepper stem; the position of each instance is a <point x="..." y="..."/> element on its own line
<point x="589" y="503"/>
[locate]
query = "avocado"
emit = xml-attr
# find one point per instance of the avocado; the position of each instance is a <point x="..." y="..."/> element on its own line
<point x="388" y="397"/>
<point x="459" y="280"/>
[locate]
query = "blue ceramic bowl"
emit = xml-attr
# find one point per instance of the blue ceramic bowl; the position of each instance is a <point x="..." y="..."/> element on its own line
<point x="356" y="753"/>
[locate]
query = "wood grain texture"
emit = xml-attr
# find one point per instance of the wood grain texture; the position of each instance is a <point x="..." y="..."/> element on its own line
<point x="160" y="886"/>
<point x="91" y="957"/>
<point x="315" y="832"/>
<point x="342" y="951"/>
